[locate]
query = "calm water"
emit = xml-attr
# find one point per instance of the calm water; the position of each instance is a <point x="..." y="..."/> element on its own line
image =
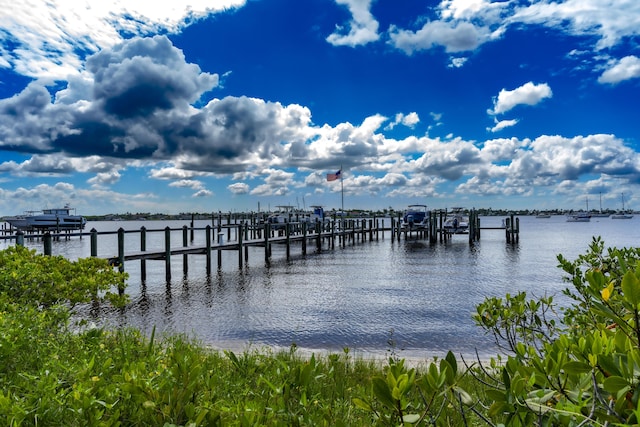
<point x="363" y="296"/>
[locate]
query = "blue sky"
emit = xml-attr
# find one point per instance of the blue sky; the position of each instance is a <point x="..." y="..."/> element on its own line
<point x="231" y="105"/>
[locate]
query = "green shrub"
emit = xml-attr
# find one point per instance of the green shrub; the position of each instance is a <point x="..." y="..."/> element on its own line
<point x="39" y="280"/>
<point x="577" y="365"/>
<point x="583" y="372"/>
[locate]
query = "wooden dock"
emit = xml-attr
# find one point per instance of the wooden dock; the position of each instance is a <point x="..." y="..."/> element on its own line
<point x="247" y="233"/>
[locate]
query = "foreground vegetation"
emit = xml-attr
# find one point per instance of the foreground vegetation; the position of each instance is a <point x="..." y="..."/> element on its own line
<point x="575" y="366"/>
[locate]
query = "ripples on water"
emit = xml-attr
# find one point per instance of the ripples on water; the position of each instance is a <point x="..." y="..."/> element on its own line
<point x="409" y="296"/>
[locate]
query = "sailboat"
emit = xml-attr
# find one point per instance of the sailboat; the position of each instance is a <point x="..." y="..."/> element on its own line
<point x="580" y="216"/>
<point x="622" y="214"/>
<point x="600" y="214"/>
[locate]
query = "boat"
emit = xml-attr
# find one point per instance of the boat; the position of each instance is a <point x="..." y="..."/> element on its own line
<point x="416" y="217"/>
<point x="20" y="222"/>
<point x="579" y="217"/>
<point x="280" y="218"/>
<point x="289" y="214"/>
<point x="543" y="215"/>
<point x="315" y="216"/>
<point x="456" y="222"/>
<point x="622" y="214"/>
<point x="58" y="219"/>
<point x="600" y="214"/>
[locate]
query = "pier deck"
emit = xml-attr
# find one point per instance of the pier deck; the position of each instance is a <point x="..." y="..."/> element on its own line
<point x="241" y="236"/>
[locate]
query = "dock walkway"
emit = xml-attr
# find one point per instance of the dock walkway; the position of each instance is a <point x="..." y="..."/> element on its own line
<point x="241" y="236"/>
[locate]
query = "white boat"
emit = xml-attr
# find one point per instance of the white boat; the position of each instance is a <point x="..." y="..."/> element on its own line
<point x="289" y="214"/>
<point x="48" y="219"/>
<point x="281" y="217"/>
<point x="416" y="217"/>
<point x="20" y="222"/>
<point x="456" y="222"/>
<point x="579" y="217"/>
<point x="600" y="214"/>
<point x="543" y="215"/>
<point x="316" y="215"/>
<point x="622" y="214"/>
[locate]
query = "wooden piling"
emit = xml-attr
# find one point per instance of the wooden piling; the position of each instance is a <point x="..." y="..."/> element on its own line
<point x="121" y="249"/>
<point x="304" y="238"/>
<point x="121" y="255"/>
<point x="245" y="228"/>
<point x="239" y="233"/>
<point x="207" y="240"/>
<point x="94" y="242"/>
<point x="167" y="253"/>
<point x="267" y="247"/>
<point x="318" y="232"/>
<point x="143" y="247"/>
<point x="287" y="233"/>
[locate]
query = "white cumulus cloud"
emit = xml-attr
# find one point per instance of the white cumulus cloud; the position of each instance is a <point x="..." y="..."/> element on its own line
<point x="363" y="28"/>
<point x="48" y="35"/>
<point x="625" y="69"/>
<point x="527" y="94"/>
<point x="502" y="124"/>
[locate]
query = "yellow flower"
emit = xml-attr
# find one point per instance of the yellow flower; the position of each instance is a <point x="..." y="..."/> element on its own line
<point x="95" y="378"/>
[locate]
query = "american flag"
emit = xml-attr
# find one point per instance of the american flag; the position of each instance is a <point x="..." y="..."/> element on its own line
<point x="334" y="176"/>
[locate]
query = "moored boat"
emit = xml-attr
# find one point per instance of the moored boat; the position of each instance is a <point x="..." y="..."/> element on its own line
<point x="579" y="217"/>
<point x="622" y="214"/>
<point x="281" y="217"/>
<point x="601" y="213"/>
<point x="456" y="222"/>
<point x="416" y="217"/>
<point x="48" y="219"/>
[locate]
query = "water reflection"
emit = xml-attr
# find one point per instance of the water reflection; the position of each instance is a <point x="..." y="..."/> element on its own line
<point x="367" y="296"/>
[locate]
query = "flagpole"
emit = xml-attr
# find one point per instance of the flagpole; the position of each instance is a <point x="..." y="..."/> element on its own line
<point x="342" y="189"/>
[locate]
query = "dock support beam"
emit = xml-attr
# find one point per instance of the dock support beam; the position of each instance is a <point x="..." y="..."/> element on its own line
<point x="121" y="249"/>
<point x="143" y="247"/>
<point x="239" y="231"/>
<point x="94" y="242"/>
<point x="185" y="257"/>
<point x="207" y="239"/>
<point x="167" y="253"/>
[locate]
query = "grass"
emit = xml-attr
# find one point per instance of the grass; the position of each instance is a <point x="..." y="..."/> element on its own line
<point x="51" y="376"/>
<point x="54" y="372"/>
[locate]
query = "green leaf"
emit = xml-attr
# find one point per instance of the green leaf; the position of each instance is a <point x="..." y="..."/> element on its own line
<point x="496" y="395"/>
<point x="362" y="404"/>
<point x="631" y="288"/>
<point x="505" y="378"/>
<point x="575" y="367"/>
<point x="411" y="418"/>
<point x="614" y="384"/>
<point x="382" y="392"/>
<point x="452" y="362"/>
<point x="464" y="396"/>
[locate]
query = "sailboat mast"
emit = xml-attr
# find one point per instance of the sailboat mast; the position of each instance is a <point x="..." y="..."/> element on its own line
<point x="601" y="202"/>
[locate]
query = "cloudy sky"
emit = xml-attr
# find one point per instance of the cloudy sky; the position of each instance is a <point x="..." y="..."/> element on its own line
<point x="207" y="105"/>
